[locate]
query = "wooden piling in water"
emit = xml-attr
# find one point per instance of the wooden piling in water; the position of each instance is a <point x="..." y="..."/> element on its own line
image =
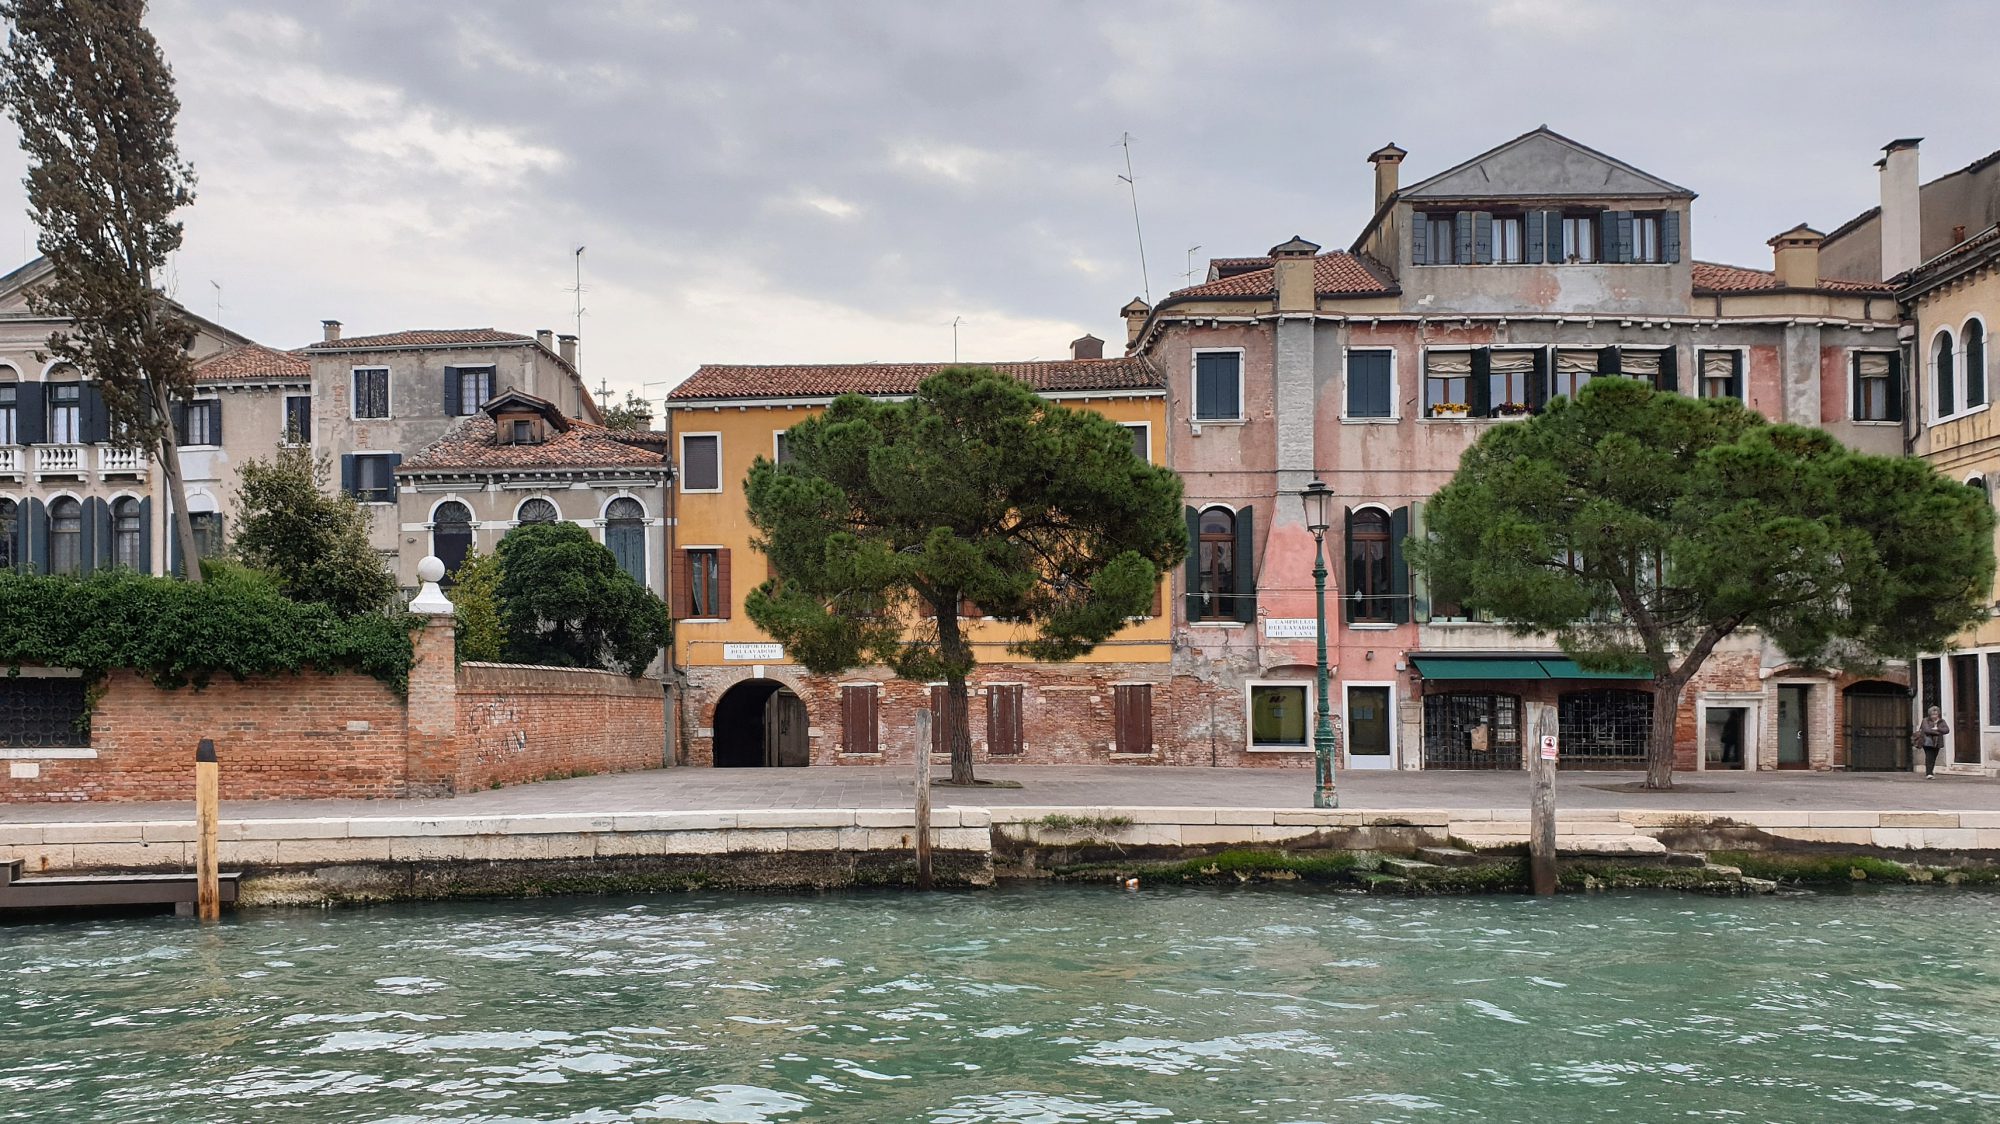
<point x="207" y="820"/>
<point x="923" y="799"/>
<point x="1542" y="814"/>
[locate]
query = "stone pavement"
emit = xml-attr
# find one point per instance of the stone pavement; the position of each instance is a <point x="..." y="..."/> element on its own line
<point x="1084" y="786"/>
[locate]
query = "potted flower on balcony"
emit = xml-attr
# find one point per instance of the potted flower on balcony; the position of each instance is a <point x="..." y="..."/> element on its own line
<point x="1449" y="409"/>
<point x="1510" y="410"/>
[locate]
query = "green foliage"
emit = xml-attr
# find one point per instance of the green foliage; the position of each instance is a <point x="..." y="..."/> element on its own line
<point x="312" y="539"/>
<point x="564" y="602"/>
<point x="236" y="623"/>
<point x="634" y="415"/>
<point x="886" y="515"/>
<point x="475" y="600"/>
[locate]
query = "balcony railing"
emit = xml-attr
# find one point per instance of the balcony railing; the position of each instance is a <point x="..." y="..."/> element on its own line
<point x="10" y="462"/>
<point x="60" y="460"/>
<point x="128" y="462"/>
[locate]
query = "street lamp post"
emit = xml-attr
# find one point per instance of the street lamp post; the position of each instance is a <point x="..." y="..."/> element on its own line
<point x="1318" y="499"/>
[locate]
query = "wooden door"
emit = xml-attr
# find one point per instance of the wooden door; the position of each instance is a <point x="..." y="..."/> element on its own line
<point x="785" y="744"/>
<point x="1965" y="710"/>
<point x="1792" y="752"/>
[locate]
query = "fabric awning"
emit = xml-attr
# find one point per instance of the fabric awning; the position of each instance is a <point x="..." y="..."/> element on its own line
<point x="1567" y="669"/>
<point x="1505" y="667"/>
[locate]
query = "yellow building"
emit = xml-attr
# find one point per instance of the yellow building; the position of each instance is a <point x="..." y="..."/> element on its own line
<point x="1954" y="299"/>
<point x="744" y="702"/>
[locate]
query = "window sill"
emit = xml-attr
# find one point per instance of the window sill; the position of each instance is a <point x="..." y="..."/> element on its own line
<point x="701" y="491"/>
<point x="1217" y="421"/>
<point x="1279" y="749"/>
<point x="49" y="753"/>
<point x="1874" y="421"/>
<point x="704" y="620"/>
<point x="1458" y="419"/>
<point x="1217" y="624"/>
<point x="1147" y="756"/>
<point x="1962" y="414"/>
<point x="1369" y="421"/>
<point x="1372" y="626"/>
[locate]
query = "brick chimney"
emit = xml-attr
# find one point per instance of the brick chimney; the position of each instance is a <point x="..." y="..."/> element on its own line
<point x="1088" y="347"/>
<point x="566" y="347"/>
<point x="1388" y="161"/>
<point x="1902" y="220"/>
<point x="1292" y="265"/>
<point x="546" y="337"/>
<point x="1795" y="255"/>
<point x="1135" y="313"/>
<point x="329" y="331"/>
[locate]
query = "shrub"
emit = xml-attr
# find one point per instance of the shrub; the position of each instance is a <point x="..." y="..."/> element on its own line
<point x="475" y="599"/>
<point x="312" y="539"/>
<point x="565" y="602"/>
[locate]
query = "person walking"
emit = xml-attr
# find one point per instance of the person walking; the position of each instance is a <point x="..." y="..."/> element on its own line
<point x="1931" y="733"/>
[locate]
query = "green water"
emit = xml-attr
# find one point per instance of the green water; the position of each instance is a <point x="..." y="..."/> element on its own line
<point x="1041" y="1004"/>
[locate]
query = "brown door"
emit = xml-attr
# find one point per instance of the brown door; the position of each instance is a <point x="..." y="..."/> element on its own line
<point x="1965" y="710"/>
<point x="1003" y="719"/>
<point x="785" y="742"/>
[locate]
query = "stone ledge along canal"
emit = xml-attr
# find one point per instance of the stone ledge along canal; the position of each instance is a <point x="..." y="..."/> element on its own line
<point x="1025" y="1004"/>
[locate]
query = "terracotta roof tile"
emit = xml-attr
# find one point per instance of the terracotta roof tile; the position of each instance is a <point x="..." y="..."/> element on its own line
<point x="1335" y="274"/>
<point x="421" y="337"/>
<point x="470" y="446"/>
<point x="1713" y="277"/>
<point x="825" y="380"/>
<point x="252" y="362"/>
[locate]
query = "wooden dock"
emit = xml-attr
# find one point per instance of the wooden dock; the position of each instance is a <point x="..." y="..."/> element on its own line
<point x="98" y="891"/>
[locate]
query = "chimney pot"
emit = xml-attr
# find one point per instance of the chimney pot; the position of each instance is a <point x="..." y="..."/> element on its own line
<point x="566" y="347"/>
<point x="546" y="337"/>
<point x="329" y="330"/>
<point x="1901" y="221"/>
<point x="1088" y="347"/>
<point x="1135" y="313"/>
<point x="1388" y="161"/>
<point x="1795" y="257"/>
<point x="1292" y="272"/>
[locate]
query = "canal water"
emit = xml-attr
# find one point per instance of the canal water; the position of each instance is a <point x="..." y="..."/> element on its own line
<point x="1018" y="1005"/>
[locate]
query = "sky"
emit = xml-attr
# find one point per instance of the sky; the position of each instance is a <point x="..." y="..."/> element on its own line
<point x="841" y="181"/>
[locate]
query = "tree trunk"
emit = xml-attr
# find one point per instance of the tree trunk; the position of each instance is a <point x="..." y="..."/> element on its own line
<point x="168" y="453"/>
<point x="1666" y="724"/>
<point x="958" y="726"/>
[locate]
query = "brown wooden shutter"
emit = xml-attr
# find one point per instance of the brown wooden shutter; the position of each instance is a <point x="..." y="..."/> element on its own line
<point x="1158" y="605"/>
<point x="1003" y="719"/>
<point x="860" y="718"/>
<point x="680" y="579"/>
<point x="724" y="600"/>
<point x="1133" y="716"/>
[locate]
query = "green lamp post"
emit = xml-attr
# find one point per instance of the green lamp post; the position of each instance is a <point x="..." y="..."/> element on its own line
<point x="1318" y="499"/>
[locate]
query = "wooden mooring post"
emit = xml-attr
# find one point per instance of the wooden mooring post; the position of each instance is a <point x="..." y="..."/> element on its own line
<point x="923" y="799"/>
<point x="207" y="820"/>
<point x="1542" y="812"/>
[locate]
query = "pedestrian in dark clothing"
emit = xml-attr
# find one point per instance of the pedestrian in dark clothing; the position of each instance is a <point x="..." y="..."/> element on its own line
<point x="1931" y="733"/>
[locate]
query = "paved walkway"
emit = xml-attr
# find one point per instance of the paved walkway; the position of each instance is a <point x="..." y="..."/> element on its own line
<point x="691" y="789"/>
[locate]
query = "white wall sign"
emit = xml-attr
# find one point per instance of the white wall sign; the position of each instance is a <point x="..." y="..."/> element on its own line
<point x="767" y="652"/>
<point x="1290" y="628"/>
<point x="1548" y="747"/>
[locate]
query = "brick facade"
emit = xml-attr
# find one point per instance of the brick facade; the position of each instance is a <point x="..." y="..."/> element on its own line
<point x="518" y="724"/>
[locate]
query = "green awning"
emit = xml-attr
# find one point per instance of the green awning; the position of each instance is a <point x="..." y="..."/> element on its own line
<point x="1567" y="669"/>
<point x="1465" y="667"/>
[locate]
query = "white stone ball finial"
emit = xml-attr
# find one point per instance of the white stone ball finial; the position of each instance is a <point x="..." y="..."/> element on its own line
<point x="430" y="599"/>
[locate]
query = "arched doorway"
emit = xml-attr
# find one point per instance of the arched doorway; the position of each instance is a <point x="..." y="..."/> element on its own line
<point x="760" y="723"/>
<point x="1878" y="726"/>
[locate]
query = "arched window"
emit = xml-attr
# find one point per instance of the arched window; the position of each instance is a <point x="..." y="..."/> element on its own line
<point x="451" y="535"/>
<point x="10" y="528"/>
<point x="65" y="536"/>
<point x="127" y="535"/>
<point x="1369" y="595"/>
<point x="1975" y="363"/>
<point x="1947" y="401"/>
<point x="537" y="511"/>
<point x="1217" y="562"/>
<point x="625" y="536"/>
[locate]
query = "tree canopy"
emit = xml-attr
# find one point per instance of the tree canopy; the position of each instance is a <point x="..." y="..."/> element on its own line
<point x="1642" y="528"/>
<point x="564" y="602"/>
<point x="887" y="518"/>
<point x="312" y="540"/>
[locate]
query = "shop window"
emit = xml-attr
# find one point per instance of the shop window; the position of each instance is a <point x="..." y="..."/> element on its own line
<point x="1279" y="715"/>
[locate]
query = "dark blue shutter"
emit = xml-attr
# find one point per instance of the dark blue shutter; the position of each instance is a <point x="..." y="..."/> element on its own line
<point x="24" y="535"/>
<point x="1246" y="567"/>
<point x="1624" y="223"/>
<point x="94" y="421"/>
<point x="1736" y="376"/>
<point x="1461" y="228"/>
<point x="173" y="546"/>
<point x="88" y="539"/>
<point x="1607" y="236"/>
<point x="1479" y="388"/>
<point x="1670" y="369"/>
<point x="1347" y="575"/>
<point x="1193" y="570"/>
<point x="215" y="413"/>
<point x="347" y="473"/>
<point x="179" y="415"/>
<point x="1607" y="360"/>
<point x="1531" y="238"/>
<point x="1399" y="570"/>
<point x="1538" y="383"/>
<point x="1420" y="229"/>
<point x="1895" y="385"/>
<point x="1482" y="237"/>
<point x="146" y="535"/>
<point x="1553" y="221"/>
<point x="1670" y="236"/>
<point x="32" y="421"/>
<point x="451" y="396"/>
<point x="37" y="526"/>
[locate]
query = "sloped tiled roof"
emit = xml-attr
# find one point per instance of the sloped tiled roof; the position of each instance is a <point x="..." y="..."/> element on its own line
<point x="1336" y="274"/>
<point x="252" y="361"/>
<point x="825" y="380"/>
<point x="421" y="337"/>
<point x="1714" y="277"/>
<point x="470" y="446"/>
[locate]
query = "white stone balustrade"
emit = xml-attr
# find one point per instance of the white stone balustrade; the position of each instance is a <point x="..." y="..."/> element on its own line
<point x="124" y="461"/>
<point x="60" y="460"/>
<point x="10" y="462"/>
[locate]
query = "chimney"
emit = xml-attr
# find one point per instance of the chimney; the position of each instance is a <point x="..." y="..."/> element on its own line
<point x="1388" y="161"/>
<point x="546" y="337"/>
<point x="329" y="331"/>
<point x="1292" y="265"/>
<point x="1089" y="347"/>
<point x="1135" y="313"/>
<point x="1901" y="222"/>
<point x="1795" y="254"/>
<point x="566" y="347"/>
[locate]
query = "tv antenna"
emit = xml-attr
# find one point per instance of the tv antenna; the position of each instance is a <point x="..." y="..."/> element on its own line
<point x="1189" y="275"/>
<point x="217" y="285"/>
<point x="1132" y="184"/>
<point x="577" y="290"/>
<point x="954" y="337"/>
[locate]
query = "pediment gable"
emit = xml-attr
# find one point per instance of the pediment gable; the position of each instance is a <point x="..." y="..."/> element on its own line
<point x="1543" y="165"/>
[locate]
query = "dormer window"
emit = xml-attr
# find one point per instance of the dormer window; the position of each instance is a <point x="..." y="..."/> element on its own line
<point x="524" y="432"/>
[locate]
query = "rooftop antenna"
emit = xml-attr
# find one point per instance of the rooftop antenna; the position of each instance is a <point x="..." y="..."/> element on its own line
<point x="604" y="391"/>
<point x="577" y="290"/>
<point x="1189" y="275"/>
<point x="218" y="297"/>
<point x="1145" y="283"/>
<point x="954" y="338"/>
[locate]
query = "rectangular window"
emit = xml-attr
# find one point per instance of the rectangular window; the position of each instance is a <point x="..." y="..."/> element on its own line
<point x="1646" y="237"/>
<point x="1507" y="239"/>
<point x="780" y="448"/>
<point x="298" y="419"/>
<point x="371" y="392"/>
<point x="1579" y="238"/>
<point x="1643" y="363"/>
<point x="1721" y="374"/>
<point x="524" y="432"/>
<point x="207" y="533"/>
<point x="65" y="413"/>
<point x="1508" y="375"/>
<point x="1003" y="719"/>
<point x="1441" y="235"/>
<point x="202" y="425"/>
<point x="704" y="583"/>
<point x="375" y="478"/>
<point x="1573" y="367"/>
<point x="1875" y="392"/>
<point x="1279" y="715"/>
<point x="1447" y="384"/>
<point x="701" y="462"/>
<point x="10" y="425"/>
<point x="1371" y="384"/>
<point x="475" y="386"/>
<point x="43" y="711"/>
<point x="1142" y="440"/>
<point x="860" y="718"/>
<point x="1132" y="706"/>
<point x="1218" y="386"/>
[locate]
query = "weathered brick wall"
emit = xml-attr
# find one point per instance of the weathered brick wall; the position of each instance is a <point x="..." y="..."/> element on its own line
<point x="519" y="723"/>
<point x="285" y="737"/>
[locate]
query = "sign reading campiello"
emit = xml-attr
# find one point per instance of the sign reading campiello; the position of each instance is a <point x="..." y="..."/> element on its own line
<point x="1290" y="628"/>
<point x="762" y="653"/>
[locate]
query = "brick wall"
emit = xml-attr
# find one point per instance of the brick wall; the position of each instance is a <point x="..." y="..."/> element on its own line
<point x="520" y="724"/>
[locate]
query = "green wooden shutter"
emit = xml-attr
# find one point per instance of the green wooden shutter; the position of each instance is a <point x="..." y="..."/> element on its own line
<point x="1420" y="229"/>
<point x="94" y="538"/>
<point x="1461" y="229"/>
<point x="1344" y="571"/>
<point x="1607" y="360"/>
<point x="1624" y="225"/>
<point x="1479" y="388"/>
<point x="1482" y="237"/>
<point x="451" y="404"/>
<point x="1855" y="405"/>
<point x="31" y="421"/>
<point x="1193" y="569"/>
<point x="146" y="535"/>
<point x="1895" y="386"/>
<point x="178" y="413"/>
<point x="1670" y="236"/>
<point x="94" y="421"/>
<point x="1553" y="221"/>
<point x="1670" y="369"/>
<point x="1531" y="238"/>
<point x="1399" y="570"/>
<point x="1420" y="587"/>
<point x="1538" y="383"/>
<point x="1246" y="566"/>
<point x="35" y="518"/>
<point x="347" y="473"/>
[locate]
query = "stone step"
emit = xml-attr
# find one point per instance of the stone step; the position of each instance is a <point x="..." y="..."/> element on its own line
<point x="1393" y="865"/>
<point x="1447" y="856"/>
<point x="1576" y="844"/>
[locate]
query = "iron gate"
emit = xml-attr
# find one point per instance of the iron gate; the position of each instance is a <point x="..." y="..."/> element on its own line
<point x="1465" y="730"/>
<point x="1878" y="727"/>
<point x="40" y="711"/>
<point x="1604" y="729"/>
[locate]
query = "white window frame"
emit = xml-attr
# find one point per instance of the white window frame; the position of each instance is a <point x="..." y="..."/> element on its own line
<point x="1985" y="360"/>
<point x="647" y="522"/>
<point x="492" y="372"/>
<point x="717" y="548"/>
<point x="1395" y="735"/>
<point x="1395" y="386"/>
<point x="394" y="488"/>
<point x="1194" y="387"/>
<point x="1742" y="369"/>
<point x="526" y="500"/>
<point x="217" y="399"/>
<point x="1148" y="428"/>
<point x="1249" y="715"/>
<point x="1520" y="222"/>
<point x="1959" y="410"/>
<point x="284" y="418"/>
<point x="388" y="393"/>
<point x="719" y="475"/>
<point x="1854" y="355"/>
<point x="1424" y="385"/>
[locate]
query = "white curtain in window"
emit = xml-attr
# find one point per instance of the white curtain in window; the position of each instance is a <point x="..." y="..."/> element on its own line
<point x="1639" y="364"/>
<point x="1448" y="363"/>
<point x="1512" y="362"/>
<point x="1576" y="362"/>
<point x="1874" y="364"/>
<point x="1718" y="364"/>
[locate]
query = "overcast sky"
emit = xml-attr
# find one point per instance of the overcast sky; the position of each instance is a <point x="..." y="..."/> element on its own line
<point x="762" y="182"/>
